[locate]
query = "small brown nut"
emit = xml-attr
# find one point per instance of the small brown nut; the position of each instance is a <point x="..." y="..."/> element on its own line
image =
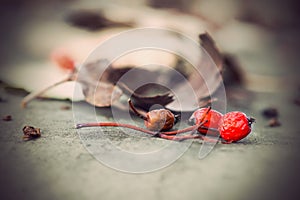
<point x="160" y="120"/>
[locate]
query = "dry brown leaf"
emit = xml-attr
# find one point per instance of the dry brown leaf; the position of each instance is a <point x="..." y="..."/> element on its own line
<point x="102" y="94"/>
<point x="180" y="87"/>
<point x="144" y="101"/>
<point x="103" y="84"/>
<point x="203" y="84"/>
<point x="103" y="91"/>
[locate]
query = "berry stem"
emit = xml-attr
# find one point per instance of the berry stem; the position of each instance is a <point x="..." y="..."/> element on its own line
<point x="114" y="124"/>
<point x="191" y="128"/>
<point x="139" y="114"/>
<point x="179" y="138"/>
<point x="251" y="120"/>
<point x="35" y="94"/>
<point x="209" y="129"/>
<point x="171" y="135"/>
<point x="207" y="111"/>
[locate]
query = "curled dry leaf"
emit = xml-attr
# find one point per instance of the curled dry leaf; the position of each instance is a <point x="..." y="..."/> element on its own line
<point x="98" y="93"/>
<point x="145" y="102"/>
<point x="208" y="44"/>
<point x="103" y="84"/>
<point x="204" y="78"/>
<point x="103" y="91"/>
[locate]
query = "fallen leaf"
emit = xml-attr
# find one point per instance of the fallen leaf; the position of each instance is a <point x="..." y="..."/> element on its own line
<point x="232" y="71"/>
<point x="145" y="102"/>
<point x="103" y="84"/>
<point x="208" y="44"/>
<point x="103" y="91"/>
<point x="102" y="94"/>
<point x="204" y="79"/>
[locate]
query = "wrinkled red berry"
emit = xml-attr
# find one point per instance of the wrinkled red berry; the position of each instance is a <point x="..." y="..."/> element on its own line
<point x="235" y="126"/>
<point x="212" y="119"/>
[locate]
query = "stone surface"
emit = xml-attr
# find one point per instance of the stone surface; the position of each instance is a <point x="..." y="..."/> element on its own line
<point x="57" y="165"/>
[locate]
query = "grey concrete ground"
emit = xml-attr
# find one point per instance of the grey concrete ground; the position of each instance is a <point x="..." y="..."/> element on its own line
<point x="265" y="165"/>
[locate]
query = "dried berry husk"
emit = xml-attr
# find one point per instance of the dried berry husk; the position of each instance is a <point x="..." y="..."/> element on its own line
<point x="31" y="133"/>
<point x="160" y="120"/>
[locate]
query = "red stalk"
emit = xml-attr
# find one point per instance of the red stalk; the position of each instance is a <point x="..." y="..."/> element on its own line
<point x="170" y="135"/>
<point x="114" y="124"/>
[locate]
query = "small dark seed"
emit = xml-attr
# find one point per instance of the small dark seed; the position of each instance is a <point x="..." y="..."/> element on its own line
<point x="270" y="112"/>
<point x="7" y="118"/>
<point x="2" y="100"/>
<point x="65" y="107"/>
<point x="297" y="101"/>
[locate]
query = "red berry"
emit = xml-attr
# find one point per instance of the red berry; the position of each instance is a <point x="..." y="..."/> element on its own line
<point x="63" y="60"/>
<point x="212" y="117"/>
<point x="235" y="126"/>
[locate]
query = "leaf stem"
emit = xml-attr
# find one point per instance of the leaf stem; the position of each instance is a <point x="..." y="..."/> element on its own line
<point x="170" y="135"/>
<point x="114" y="124"/>
<point x="37" y="93"/>
<point x="139" y="114"/>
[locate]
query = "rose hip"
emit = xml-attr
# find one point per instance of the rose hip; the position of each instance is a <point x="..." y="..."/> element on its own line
<point x="235" y="126"/>
<point x="212" y="118"/>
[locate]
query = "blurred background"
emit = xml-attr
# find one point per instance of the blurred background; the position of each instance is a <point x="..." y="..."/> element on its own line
<point x="261" y="35"/>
